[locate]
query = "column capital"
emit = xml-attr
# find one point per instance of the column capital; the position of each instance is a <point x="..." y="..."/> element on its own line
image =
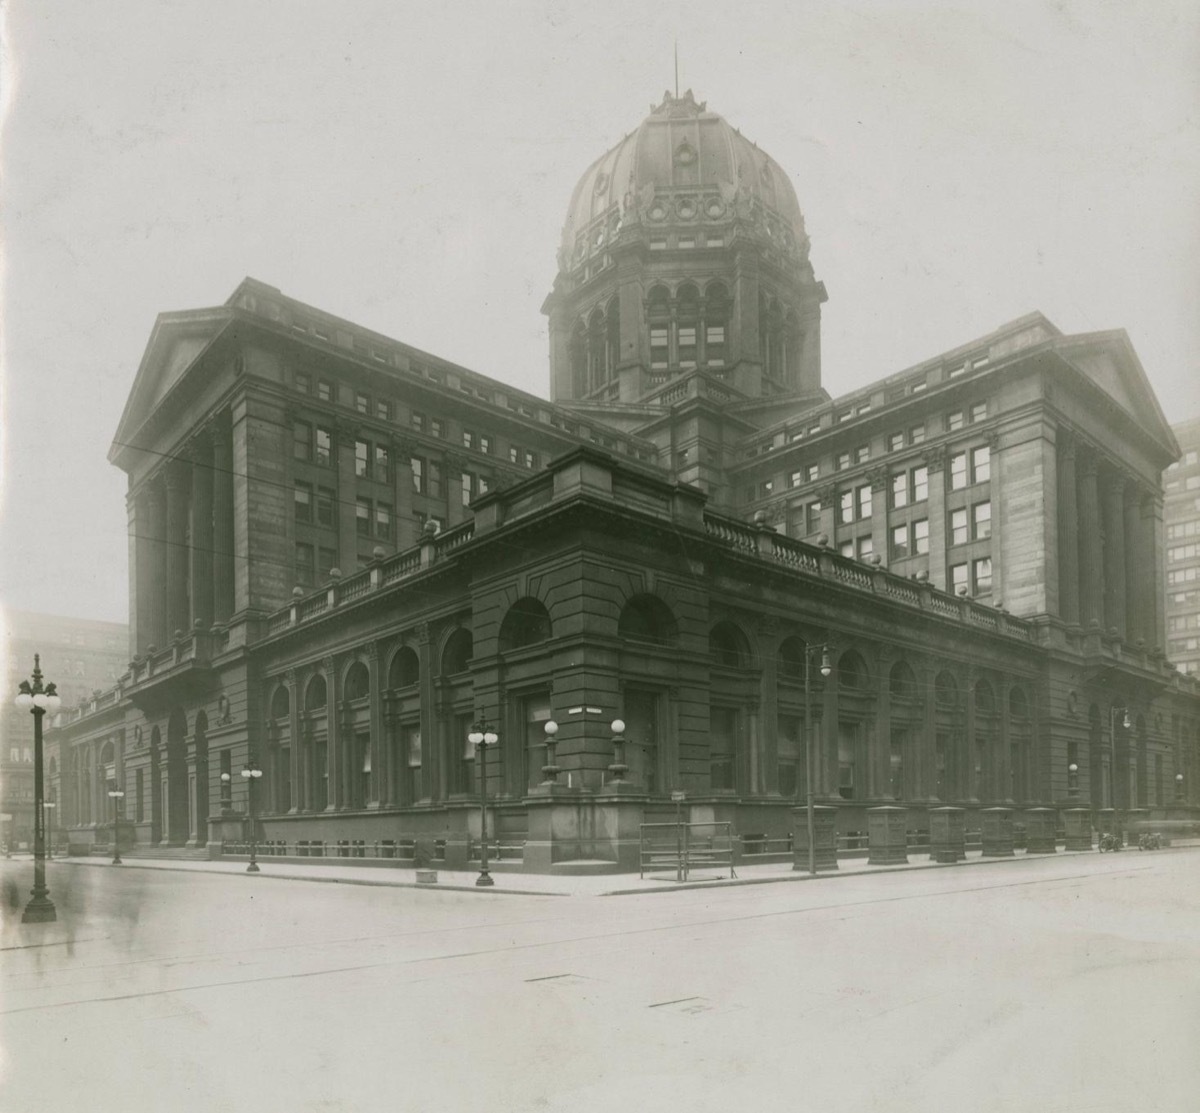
<point x="1091" y="464"/>
<point x="1067" y="442"/>
<point x="878" y="477"/>
<point x="218" y="435"/>
<point x="935" y="458"/>
<point x="176" y="476"/>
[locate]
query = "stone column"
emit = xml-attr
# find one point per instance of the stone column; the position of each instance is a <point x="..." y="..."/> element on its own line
<point x="880" y="541"/>
<point x="177" y="509"/>
<point x="202" y="535"/>
<point x="1114" y="553"/>
<point x="1150" y="570"/>
<point x="333" y="737"/>
<point x="378" y="734"/>
<point x="1068" y="532"/>
<point x="294" y="727"/>
<point x="1135" y="624"/>
<point x="826" y="774"/>
<point x="768" y="691"/>
<point x="222" y="514"/>
<point x="155" y="579"/>
<point x="1091" y="601"/>
<point x="140" y="580"/>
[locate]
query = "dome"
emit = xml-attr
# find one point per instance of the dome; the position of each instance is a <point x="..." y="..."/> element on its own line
<point x="683" y="163"/>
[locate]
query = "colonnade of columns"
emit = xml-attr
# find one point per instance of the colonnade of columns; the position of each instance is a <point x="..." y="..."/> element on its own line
<point x="181" y="526"/>
<point x="1108" y="568"/>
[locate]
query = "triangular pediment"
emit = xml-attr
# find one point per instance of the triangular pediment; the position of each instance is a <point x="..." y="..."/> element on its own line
<point x="176" y="341"/>
<point x="1108" y="360"/>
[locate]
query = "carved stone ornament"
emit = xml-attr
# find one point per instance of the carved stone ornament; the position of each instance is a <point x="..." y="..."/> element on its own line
<point x="224" y="711"/>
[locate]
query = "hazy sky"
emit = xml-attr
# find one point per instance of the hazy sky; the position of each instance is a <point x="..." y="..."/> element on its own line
<point x="408" y="166"/>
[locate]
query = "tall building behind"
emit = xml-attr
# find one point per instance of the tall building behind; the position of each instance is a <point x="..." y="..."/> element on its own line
<point x="82" y="657"/>
<point x="1181" y="516"/>
<point x="344" y="551"/>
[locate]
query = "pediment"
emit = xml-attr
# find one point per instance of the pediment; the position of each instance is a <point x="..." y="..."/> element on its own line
<point x="175" y="344"/>
<point x="1108" y="360"/>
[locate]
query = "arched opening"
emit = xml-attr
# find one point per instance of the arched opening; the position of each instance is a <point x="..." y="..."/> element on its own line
<point x="716" y="324"/>
<point x="646" y="618"/>
<point x="314" y="746"/>
<point x="658" y="315"/>
<point x="946" y="737"/>
<point x="727" y="646"/>
<point x="281" y="703"/>
<point x="456" y="656"/>
<point x="405" y="670"/>
<point x="902" y="682"/>
<point x="527" y="623"/>
<point x="315" y="694"/>
<point x="852" y="672"/>
<point x="903" y="729"/>
<point x="1020" y="735"/>
<point x="855" y="710"/>
<point x="983" y="778"/>
<point x="687" y="326"/>
<point x="357" y="685"/>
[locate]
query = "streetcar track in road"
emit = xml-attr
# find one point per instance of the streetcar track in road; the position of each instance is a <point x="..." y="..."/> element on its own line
<point x="56" y="943"/>
<point x="564" y="941"/>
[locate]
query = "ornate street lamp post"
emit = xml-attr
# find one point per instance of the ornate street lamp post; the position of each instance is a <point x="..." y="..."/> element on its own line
<point x="48" y="826"/>
<point x="1126" y="722"/>
<point x="1179" y="787"/>
<point x="116" y="795"/>
<point x="37" y="700"/>
<point x="481" y="737"/>
<point x="251" y="773"/>
<point x="826" y="669"/>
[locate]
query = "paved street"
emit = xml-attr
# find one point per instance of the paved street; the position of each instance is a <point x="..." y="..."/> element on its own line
<point x="1064" y="983"/>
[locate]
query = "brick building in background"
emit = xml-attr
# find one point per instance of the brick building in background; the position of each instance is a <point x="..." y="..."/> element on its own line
<point x="343" y="550"/>
<point x="1181" y="516"/>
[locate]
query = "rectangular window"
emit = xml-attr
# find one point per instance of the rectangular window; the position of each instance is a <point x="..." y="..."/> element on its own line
<point x="981" y="464"/>
<point x="383" y="521"/>
<point x="714" y="344"/>
<point x="325" y="501"/>
<point x="981" y="525"/>
<point x="301" y="382"/>
<point x="362" y="403"/>
<point x="383" y="468"/>
<point x="843" y="461"/>
<point x="686" y="243"/>
<point x="304" y="564"/>
<point x="722" y="747"/>
<point x="958" y="578"/>
<point x="916" y="435"/>
<point x="846" y="549"/>
<point x="658" y="243"/>
<point x="864" y="501"/>
<point x="813" y="472"/>
<point x="686" y="339"/>
<point x="796" y="479"/>
<point x="530" y="460"/>
<point x="324" y="447"/>
<point x="659" y="353"/>
<point x="981" y="574"/>
<point x="958" y="527"/>
<point x="417" y="421"/>
<point x="362" y="516"/>
<point x="418" y="474"/>
<point x="920" y="536"/>
<point x="862" y="453"/>
<point x="899" y="542"/>
<point x="326" y="561"/>
<point x="468" y="439"/>
<point x="978" y="412"/>
<point x="920" y="484"/>
<point x="866" y="547"/>
<point x="485" y="443"/>
<point x="954" y="420"/>
<point x="846" y="507"/>
<point x="435" y="480"/>
<point x="899" y="490"/>
<point x="436" y="427"/>
<point x="302" y="440"/>
<point x="813" y="523"/>
<point x="303" y="502"/>
<point x="788" y="738"/>
<point x="362" y="459"/>
<point x="383" y="409"/>
<point x="324" y="390"/>
<point x="895" y="442"/>
<point x="958" y="471"/>
<point x="468" y="487"/>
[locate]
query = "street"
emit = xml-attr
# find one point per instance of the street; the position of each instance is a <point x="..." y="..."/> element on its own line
<point x="1070" y="982"/>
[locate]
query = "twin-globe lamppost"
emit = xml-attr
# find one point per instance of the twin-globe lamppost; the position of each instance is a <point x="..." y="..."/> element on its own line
<point x="37" y="700"/>
<point x="1126" y="722"/>
<point x="810" y="815"/>
<point x="481" y="737"/>
<point x="251" y="774"/>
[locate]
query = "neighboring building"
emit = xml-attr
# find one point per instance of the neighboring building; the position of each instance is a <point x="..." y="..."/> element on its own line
<point x="1181" y="516"/>
<point x="81" y="657"/>
<point x="343" y="550"/>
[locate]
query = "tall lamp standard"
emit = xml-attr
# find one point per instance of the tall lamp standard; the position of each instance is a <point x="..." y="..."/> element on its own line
<point x="116" y="796"/>
<point x="481" y="737"/>
<point x="37" y="700"/>
<point x="251" y="773"/>
<point x="1126" y="722"/>
<point x="826" y="669"/>
<point x="48" y="826"/>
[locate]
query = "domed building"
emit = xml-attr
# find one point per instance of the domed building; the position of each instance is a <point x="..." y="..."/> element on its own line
<point x="689" y="582"/>
<point x="684" y="271"/>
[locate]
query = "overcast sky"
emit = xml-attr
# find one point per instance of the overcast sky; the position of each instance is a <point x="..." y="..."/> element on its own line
<point x="408" y="166"/>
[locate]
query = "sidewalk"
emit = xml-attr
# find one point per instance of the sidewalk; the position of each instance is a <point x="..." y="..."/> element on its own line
<point x="554" y="885"/>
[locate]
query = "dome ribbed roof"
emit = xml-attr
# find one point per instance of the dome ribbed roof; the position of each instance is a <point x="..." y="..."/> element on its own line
<point x="679" y="148"/>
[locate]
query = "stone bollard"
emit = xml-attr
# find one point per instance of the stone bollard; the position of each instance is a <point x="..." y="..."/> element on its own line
<point x="1078" y="824"/>
<point x="997" y="831"/>
<point x="947" y="834"/>
<point x="824" y="842"/>
<point x="886" y="828"/>
<point x="1041" y="831"/>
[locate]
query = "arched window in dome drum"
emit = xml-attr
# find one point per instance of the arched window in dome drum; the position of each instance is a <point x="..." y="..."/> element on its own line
<point x="687" y="324"/>
<point x="658" y="311"/>
<point x="597" y="344"/>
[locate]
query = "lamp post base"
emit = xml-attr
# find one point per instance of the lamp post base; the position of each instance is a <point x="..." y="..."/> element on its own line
<point x="484" y="878"/>
<point x="40" y="910"/>
<point x="252" y="868"/>
<point x="117" y="860"/>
